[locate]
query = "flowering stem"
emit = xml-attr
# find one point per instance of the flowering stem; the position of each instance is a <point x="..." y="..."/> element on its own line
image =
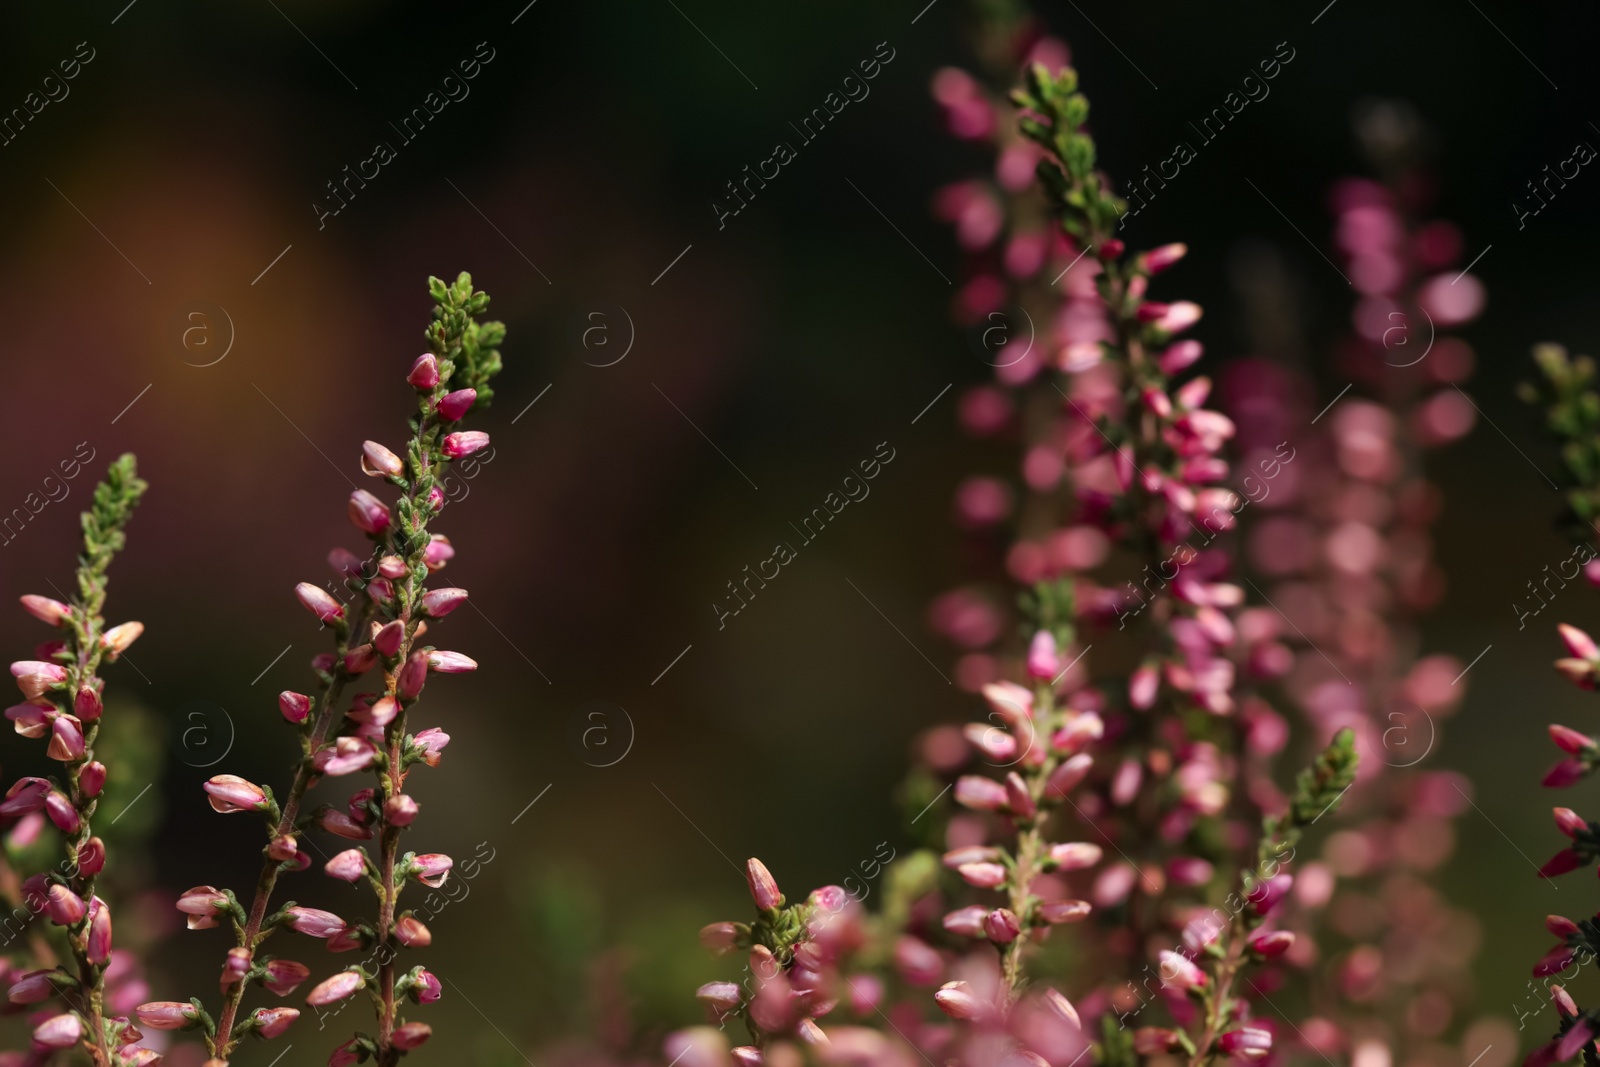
<point x="225" y="1042"/>
<point x="112" y="506"/>
<point x="466" y="361"/>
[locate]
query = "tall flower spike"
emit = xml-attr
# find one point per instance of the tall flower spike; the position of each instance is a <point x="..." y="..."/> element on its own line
<point x="376" y="617"/>
<point x="68" y="693"/>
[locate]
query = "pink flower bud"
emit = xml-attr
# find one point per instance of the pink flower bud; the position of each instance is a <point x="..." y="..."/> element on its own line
<point x="369" y="514"/>
<point x="314" y="922"/>
<point x="720" y="938"/>
<point x="36" y="677"/>
<point x="432" y="868"/>
<point x="66" y="739"/>
<point x="434" y="500"/>
<point x="1569" y="771"/>
<point x="1067" y="777"/>
<point x="346" y="563"/>
<point x="347" y="866"/>
<point x="1575" y="1040"/>
<point x="92" y="778"/>
<point x="44" y="609"/>
<point x="335" y="989"/>
<point x="1002" y="926"/>
<point x="271" y="1022"/>
<point x="234" y="967"/>
<point x="1246" y="1043"/>
<point x="1143" y="684"/>
<point x="438" y="553"/>
<point x="720" y="997"/>
<point x="1577" y="671"/>
<point x="983" y="875"/>
<point x="389" y="638"/>
<point x="993" y="742"/>
<point x="410" y="932"/>
<point x="61" y="812"/>
<point x="1579" y="643"/>
<point x="1061" y="1006"/>
<point x="956" y="857"/>
<point x="1265" y="896"/>
<point x="1177" y="317"/>
<point x="749" y="1055"/>
<point x="1270" y="943"/>
<point x="92" y="856"/>
<point x="1563" y="1001"/>
<point x="408" y="1036"/>
<point x="412" y="675"/>
<point x="99" y="940"/>
<point x="283" y="848"/>
<point x="1018" y="799"/>
<point x="452" y="406"/>
<point x="1560" y="926"/>
<point x="428" y="989"/>
<point x="1570" y="740"/>
<point x="1043" y="663"/>
<point x="347" y="1054"/>
<point x="441" y="602"/>
<point x="763" y="887"/>
<point x="465" y="443"/>
<point x="1179" y="971"/>
<point x="451" y="663"/>
<point x="284" y="975"/>
<point x="64" y="907"/>
<point x="967" y="922"/>
<point x="346" y="755"/>
<point x="957" y="1000"/>
<point x="1080" y="730"/>
<point x="1562" y="862"/>
<point x="294" y="706"/>
<point x="1075" y="855"/>
<point x="400" y="810"/>
<point x="1179" y="356"/>
<point x="360" y="660"/>
<point x="230" y="793"/>
<point x="203" y="904"/>
<point x="119" y="639"/>
<point x="979" y="793"/>
<point x="1064" y="911"/>
<point x="424" y="373"/>
<point x="378" y="462"/>
<point x="1570" y="822"/>
<point x="316" y="600"/>
<point x="1556" y="960"/>
<point x="1189" y="870"/>
<point x="1157" y="403"/>
<point x="1159" y="259"/>
<point x="31" y="720"/>
<point x="60" y="1032"/>
<point x="337" y="822"/>
<point x="86" y="702"/>
<point x="33" y="987"/>
<point x="431" y="744"/>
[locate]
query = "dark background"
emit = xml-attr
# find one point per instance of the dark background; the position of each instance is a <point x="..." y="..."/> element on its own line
<point x="796" y="339"/>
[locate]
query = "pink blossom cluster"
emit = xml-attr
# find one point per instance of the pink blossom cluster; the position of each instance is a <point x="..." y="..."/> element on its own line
<point x="1343" y="550"/>
<point x="378" y="627"/>
<point x="63" y="701"/>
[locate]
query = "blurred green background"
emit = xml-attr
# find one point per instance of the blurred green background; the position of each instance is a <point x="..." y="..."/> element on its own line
<point x="189" y="154"/>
